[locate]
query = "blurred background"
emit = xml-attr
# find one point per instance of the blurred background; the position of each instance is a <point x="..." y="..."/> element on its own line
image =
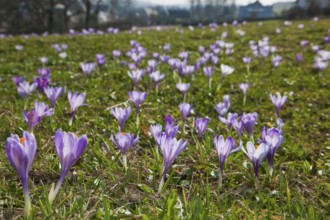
<point x="59" y="16"/>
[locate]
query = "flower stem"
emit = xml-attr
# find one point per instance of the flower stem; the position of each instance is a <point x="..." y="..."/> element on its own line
<point x="220" y="179"/>
<point x="52" y="192"/>
<point x="244" y="100"/>
<point x="27" y="207"/>
<point x="257" y="183"/>
<point x="125" y="162"/>
<point x="137" y="120"/>
<point x="71" y="119"/>
<point x="161" y="184"/>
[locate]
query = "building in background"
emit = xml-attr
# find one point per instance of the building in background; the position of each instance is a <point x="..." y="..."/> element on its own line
<point x="255" y="11"/>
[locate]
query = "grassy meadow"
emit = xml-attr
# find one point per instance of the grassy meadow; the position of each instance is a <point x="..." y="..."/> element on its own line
<point x="97" y="186"/>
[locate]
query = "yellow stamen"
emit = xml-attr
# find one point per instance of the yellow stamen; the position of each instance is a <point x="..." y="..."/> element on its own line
<point x="21" y="140"/>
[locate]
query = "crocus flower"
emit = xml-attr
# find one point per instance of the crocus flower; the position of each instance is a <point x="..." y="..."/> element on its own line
<point x="183" y="87"/>
<point x="223" y="107"/>
<point x="249" y="120"/>
<point x="121" y="115"/>
<point x="69" y="149"/>
<point x="238" y="126"/>
<point x="17" y="80"/>
<point x="43" y="60"/>
<point x="76" y="100"/>
<point x="244" y="87"/>
<point x="25" y="89"/>
<point x="44" y="72"/>
<point x="201" y="124"/>
<point x="208" y="73"/>
<point x="226" y="70"/>
<point x="276" y="60"/>
<point x="278" y="102"/>
<point x="53" y="93"/>
<point x="42" y="83"/>
<point x="136" y="75"/>
<point x="116" y="53"/>
<point x="157" y="77"/>
<point x="170" y="148"/>
<point x="224" y="147"/>
<point x="156" y="131"/>
<point x="124" y="141"/>
<point x="185" y="110"/>
<point x="63" y="55"/>
<point x="230" y="119"/>
<point x="87" y="68"/>
<point x="137" y="98"/>
<point x="20" y="153"/>
<point x="247" y="60"/>
<point x="34" y="117"/>
<point x="256" y="156"/>
<point x="100" y="58"/>
<point x="274" y="138"/>
<point x="18" y="47"/>
<point x="299" y="57"/>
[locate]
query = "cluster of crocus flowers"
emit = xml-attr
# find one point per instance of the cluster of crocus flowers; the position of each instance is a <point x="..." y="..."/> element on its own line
<point x="76" y="100"/>
<point x="69" y="148"/>
<point x="20" y="153"/>
<point x="124" y="141"/>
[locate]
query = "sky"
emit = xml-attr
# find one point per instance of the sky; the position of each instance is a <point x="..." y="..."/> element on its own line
<point x="239" y="2"/>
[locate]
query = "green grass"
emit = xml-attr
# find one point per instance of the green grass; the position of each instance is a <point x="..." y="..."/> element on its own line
<point x="97" y="186"/>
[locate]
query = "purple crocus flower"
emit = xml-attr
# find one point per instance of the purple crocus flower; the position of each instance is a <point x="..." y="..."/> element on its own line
<point x="247" y="60"/>
<point x="100" y="58"/>
<point x="208" y="73"/>
<point x="157" y="77"/>
<point x="136" y="75"/>
<point x="25" y="89"/>
<point x="183" y="87"/>
<point x="76" y="100"/>
<point x="276" y="60"/>
<point x="278" y="102"/>
<point x="238" y="126"/>
<point x="274" y="138"/>
<point x="185" y="110"/>
<point x="248" y="121"/>
<point x="256" y="156"/>
<point x="20" y="153"/>
<point x="230" y="119"/>
<point x="244" y="87"/>
<point x="137" y="98"/>
<point x="170" y="148"/>
<point x="44" y="72"/>
<point x="224" y="147"/>
<point x="223" y="107"/>
<point x="320" y="64"/>
<point x="69" y="149"/>
<point x="34" y="117"/>
<point x="200" y="125"/>
<point x="121" y="115"/>
<point x="299" y="57"/>
<point x="42" y="83"/>
<point x="53" y="93"/>
<point x="87" y="68"/>
<point x="226" y="70"/>
<point x="124" y="141"/>
<point x="156" y="131"/>
<point x="17" y="80"/>
<point x="116" y="53"/>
